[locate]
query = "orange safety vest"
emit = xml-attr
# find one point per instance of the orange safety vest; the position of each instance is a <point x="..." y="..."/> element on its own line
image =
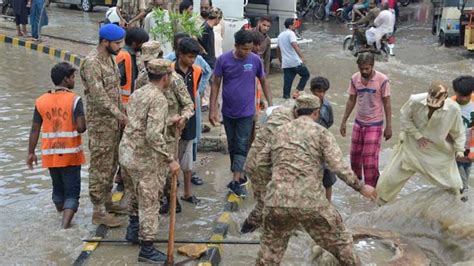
<point x="126" y="89"/>
<point x="61" y="144"/>
<point x="258" y="95"/>
<point x="196" y="74"/>
<point x="471" y="141"/>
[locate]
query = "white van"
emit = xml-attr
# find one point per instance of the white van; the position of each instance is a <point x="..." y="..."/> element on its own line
<point x="239" y="13"/>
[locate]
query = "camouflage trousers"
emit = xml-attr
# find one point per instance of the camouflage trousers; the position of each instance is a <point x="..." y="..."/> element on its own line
<point x="103" y="148"/>
<point x="172" y="150"/>
<point x="145" y="196"/>
<point x="323" y="224"/>
<point x="259" y="188"/>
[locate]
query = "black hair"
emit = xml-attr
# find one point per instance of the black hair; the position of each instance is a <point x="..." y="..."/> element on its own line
<point x="178" y="36"/>
<point x="319" y="83"/>
<point x="305" y="111"/>
<point x="61" y="71"/>
<point x="188" y="46"/>
<point x="289" y="22"/>
<point x="184" y="5"/>
<point x="463" y="85"/>
<point x="366" y="58"/>
<point x="243" y="37"/>
<point x="210" y="2"/>
<point x="136" y="35"/>
<point x="258" y="37"/>
<point x="156" y="77"/>
<point x="265" y="18"/>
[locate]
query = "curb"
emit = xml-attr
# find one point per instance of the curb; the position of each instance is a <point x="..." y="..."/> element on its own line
<point x="40" y="48"/>
<point x="214" y="254"/>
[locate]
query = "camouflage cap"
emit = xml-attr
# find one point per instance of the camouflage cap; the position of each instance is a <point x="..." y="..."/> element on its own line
<point x="151" y="50"/>
<point x="307" y="100"/>
<point x="437" y="93"/>
<point x="215" y="12"/>
<point x="158" y="66"/>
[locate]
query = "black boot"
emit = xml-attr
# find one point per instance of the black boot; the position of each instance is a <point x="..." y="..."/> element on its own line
<point x="248" y="227"/>
<point x="165" y="207"/>
<point x="132" y="229"/>
<point x="148" y="253"/>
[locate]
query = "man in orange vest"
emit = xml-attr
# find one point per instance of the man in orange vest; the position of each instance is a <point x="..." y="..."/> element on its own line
<point x="188" y="49"/>
<point x="127" y="60"/>
<point x="59" y="114"/>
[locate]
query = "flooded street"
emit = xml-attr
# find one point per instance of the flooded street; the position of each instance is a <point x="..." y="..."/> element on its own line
<point x="30" y="227"/>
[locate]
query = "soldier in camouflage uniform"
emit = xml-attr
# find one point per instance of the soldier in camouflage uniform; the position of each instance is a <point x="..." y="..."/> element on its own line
<point x="104" y="116"/>
<point x="143" y="156"/>
<point x="259" y="178"/>
<point x="295" y="195"/>
<point x="180" y="109"/>
<point x="131" y="12"/>
<point x="150" y="50"/>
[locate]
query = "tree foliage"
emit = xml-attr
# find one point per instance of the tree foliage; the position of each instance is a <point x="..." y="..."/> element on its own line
<point x="167" y="23"/>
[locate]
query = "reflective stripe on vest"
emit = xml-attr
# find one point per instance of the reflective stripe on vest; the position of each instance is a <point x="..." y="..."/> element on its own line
<point x="62" y="134"/>
<point x="197" y="71"/>
<point x="62" y="151"/>
<point x="126" y="58"/>
<point x="61" y="144"/>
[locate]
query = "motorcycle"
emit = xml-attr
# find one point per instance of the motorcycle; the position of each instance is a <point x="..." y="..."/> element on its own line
<point x="7" y="8"/>
<point x="404" y="2"/>
<point x="356" y="43"/>
<point x="316" y="7"/>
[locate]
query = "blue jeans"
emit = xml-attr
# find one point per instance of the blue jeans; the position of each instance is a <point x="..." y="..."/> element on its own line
<point x="464" y="171"/>
<point x="35" y="15"/>
<point x="66" y="186"/>
<point x="328" y="7"/>
<point x="238" y="132"/>
<point x="289" y="75"/>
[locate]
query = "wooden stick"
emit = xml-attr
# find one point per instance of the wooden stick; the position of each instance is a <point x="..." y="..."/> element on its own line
<point x="174" y="177"/>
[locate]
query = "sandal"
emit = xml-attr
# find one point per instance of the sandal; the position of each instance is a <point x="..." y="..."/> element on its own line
<point x="191" y="199"/>
<point x="196" y="180"/>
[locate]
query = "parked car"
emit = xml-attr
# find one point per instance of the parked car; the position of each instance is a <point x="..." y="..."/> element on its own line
<point x="87" y="5"/>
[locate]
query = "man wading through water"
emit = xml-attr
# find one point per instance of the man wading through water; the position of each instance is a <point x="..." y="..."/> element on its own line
<point x="59" y="114"/>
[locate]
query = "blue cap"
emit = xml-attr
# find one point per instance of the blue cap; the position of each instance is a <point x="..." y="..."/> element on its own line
<point x="111" y="32"/>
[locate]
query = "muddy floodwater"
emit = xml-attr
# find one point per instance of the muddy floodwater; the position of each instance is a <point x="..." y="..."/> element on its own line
<point x="30" y="227"/>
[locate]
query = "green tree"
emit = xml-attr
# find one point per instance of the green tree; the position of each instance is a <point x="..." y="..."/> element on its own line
<point x="165" y="27"/>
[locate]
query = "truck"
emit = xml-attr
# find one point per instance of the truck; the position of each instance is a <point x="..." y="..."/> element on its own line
<point x="450" y="18"/>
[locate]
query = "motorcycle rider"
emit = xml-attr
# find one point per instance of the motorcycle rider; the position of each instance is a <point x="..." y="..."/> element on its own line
<point x="384" y="24"/>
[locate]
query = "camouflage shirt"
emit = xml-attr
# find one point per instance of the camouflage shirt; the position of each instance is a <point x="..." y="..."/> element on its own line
<point x="279" y="116"/>
<point x="131" y="8"/>
<point x="179" y="100"/>
<point x="297" y="154"/>
<point x="143" y="141"/>
<point x="101" y="79"/>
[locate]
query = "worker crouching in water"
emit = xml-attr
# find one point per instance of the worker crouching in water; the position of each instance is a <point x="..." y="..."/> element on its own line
<point x="144" y="156"/>
<point x="296" y="155"/>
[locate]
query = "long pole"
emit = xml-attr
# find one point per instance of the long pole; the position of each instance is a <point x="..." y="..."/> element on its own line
<point x="223" y="242"/>
<point x="174" y="177"/>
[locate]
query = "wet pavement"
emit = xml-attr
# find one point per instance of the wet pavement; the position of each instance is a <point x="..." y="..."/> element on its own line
<point x="29" y="226"/>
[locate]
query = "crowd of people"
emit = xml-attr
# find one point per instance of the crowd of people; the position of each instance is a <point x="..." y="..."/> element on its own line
<point x="143" y="116"/>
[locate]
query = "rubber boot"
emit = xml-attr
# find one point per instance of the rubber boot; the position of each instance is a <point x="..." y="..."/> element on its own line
<point x="247" y="227"/>
<point x="148" y="253"/>
<point x="132" y="229"/>
<point x="100" y="216"/>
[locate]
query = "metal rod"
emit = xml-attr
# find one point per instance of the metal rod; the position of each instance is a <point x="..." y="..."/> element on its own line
<point x="225" y="242"/>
